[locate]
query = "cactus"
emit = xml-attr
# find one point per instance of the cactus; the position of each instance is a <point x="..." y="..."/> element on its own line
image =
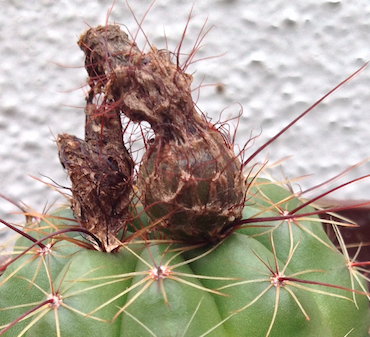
<point x="192" y="244"/>
<point x="277" y="278"/>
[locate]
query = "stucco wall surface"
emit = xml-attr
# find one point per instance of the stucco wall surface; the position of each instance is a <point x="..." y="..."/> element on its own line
<point x="278" y="58"/>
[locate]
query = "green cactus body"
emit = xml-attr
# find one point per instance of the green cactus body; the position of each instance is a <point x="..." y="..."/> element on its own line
<point x="273" y="278"/>
<point x="223" y="255"/>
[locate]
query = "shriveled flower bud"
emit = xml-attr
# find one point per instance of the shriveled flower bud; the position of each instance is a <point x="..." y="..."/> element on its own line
<point x="100" y="167"/>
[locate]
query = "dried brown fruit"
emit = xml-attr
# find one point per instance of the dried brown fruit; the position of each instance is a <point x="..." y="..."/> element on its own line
<point x="189" y="175"/>
<point x="196" y="186"/>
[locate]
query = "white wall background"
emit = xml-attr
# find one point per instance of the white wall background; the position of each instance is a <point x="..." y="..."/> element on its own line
<point x="281" y="56"/>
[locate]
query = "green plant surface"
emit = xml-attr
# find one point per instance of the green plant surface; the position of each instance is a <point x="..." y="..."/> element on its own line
<point x="273" y="278"/>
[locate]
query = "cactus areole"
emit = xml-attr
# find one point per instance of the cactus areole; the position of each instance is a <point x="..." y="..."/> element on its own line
<point x="160" y="253"/>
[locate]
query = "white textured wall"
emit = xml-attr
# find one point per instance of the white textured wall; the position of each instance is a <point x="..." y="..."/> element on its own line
<point x="281" y="56"/>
